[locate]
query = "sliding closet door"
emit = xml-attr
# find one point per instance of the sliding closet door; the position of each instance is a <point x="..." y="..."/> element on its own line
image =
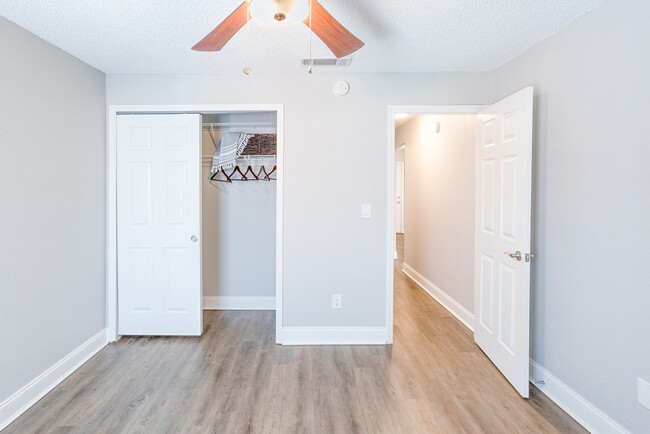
<point x="159" y="224"/>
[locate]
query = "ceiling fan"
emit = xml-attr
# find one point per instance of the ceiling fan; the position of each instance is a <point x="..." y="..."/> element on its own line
<point x="280" y="13"/>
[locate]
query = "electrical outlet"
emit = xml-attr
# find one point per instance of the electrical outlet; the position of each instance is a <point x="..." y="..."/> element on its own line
<point x="336" y="301"/>
<point x="644" y="393"/>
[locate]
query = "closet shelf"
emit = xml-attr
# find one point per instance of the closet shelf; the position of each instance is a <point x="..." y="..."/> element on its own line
<point x="239" y="125"/>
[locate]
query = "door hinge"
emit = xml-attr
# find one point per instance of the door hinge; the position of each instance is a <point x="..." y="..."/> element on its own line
<point x="528" y="257"/>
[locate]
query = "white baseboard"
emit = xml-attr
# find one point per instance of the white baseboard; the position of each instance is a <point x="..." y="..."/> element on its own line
<point x="334" y="336"/>
<point x="455" y="308"/>
<point x="583" y="411"/>
<point x="238" y="303"/>
<point x="20" y="401"/>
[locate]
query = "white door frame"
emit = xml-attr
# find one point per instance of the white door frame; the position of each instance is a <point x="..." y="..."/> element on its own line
<point x="401" y="227"/>
<point x="390" y="191"/>
<point x="111" y="197"/>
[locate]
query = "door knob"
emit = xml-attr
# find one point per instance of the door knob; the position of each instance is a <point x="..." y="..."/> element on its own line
<point x="516" y="255"/>
<point x="194" y="238"/>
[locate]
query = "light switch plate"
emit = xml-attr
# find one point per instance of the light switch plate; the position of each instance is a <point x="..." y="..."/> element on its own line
<point x="644" y="393"/>
<point x="366" y="210"/>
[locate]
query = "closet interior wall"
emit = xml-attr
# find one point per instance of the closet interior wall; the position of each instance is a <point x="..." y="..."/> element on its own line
<point x="238" y="226"/>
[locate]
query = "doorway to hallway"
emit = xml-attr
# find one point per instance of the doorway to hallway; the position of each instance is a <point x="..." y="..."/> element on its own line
<point x="467" y="221"/>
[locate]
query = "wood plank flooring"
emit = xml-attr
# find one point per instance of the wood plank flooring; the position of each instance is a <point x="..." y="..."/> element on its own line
<point x="235" y="379"/>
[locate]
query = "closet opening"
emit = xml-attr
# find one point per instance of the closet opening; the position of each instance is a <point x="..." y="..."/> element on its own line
<point x="239" y="177"/>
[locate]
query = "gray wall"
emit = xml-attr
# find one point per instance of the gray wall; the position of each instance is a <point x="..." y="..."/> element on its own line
<point x="439" y="200"/>
<point x="238" y="225"/>
<point x="591" y="291"/>
<point x="591" y="208"/>
<point x="52" y="205"/>
<point x="335" y="159"/>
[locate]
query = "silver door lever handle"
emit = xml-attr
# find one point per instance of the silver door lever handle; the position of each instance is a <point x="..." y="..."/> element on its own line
<point x="516" y="255"/>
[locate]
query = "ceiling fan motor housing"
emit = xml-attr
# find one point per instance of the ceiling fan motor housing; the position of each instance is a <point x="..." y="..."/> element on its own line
<point x="279" y="11"/>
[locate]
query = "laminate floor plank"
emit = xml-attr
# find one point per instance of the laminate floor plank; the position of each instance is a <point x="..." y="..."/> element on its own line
<point x="235" y="379"/>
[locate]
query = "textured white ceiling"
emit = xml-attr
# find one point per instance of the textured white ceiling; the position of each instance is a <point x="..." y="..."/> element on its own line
<point x="155" y="36"/>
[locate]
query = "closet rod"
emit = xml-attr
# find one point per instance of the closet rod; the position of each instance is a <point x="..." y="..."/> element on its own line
<point x="244" y="157"/>
<point x="240" y="125"/>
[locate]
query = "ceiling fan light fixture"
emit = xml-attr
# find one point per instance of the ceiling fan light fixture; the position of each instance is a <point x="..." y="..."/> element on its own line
<point x="279" y="12"/>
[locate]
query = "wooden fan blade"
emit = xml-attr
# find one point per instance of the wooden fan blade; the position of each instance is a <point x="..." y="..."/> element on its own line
<point x="220" y="36"/>
<point x="331" y="32"/>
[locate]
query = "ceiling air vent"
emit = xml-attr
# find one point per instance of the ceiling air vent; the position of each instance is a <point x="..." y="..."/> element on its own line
<point x="326" y="61"/>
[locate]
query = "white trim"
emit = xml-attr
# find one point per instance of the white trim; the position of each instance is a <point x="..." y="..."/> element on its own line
<point x="334" y="336"/>
<point x="111" y="197"/>
<point x="27" y="396"/>
<point x="456" y="309"/>
<point x="390" y="190"/>
<point x="111" y="228"/>
<point x="391" y="238"/>
<point x="400" y="230"/>
<point x="435" y="110"/>
<point x="279" y="226"/>
<point x="238" y="303"/>
<point x="583" y="411"/>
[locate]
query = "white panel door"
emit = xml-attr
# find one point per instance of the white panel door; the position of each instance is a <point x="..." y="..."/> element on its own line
<point x="503" y="226"/>
<point x="159" y="225"/>
<point x="399" y="198"/>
